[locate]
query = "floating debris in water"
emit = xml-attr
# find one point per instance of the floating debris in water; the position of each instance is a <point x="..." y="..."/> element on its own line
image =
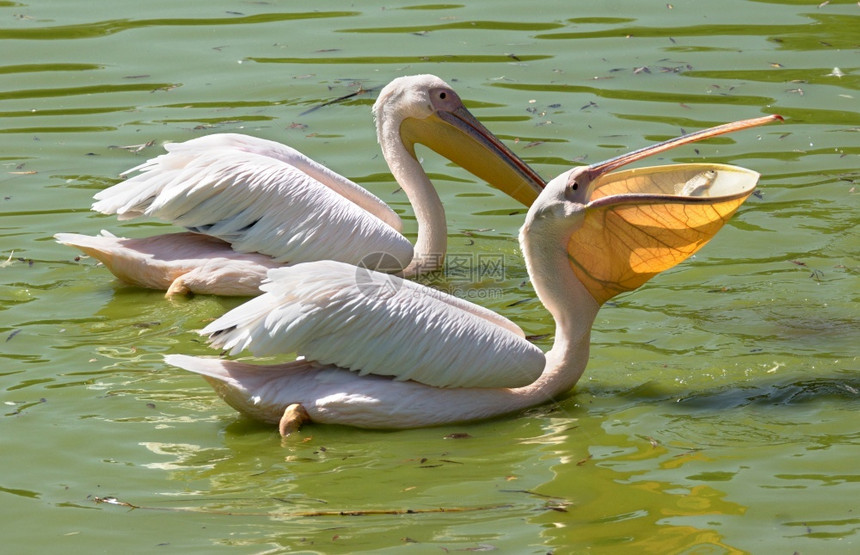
<point x="136" y="148"/>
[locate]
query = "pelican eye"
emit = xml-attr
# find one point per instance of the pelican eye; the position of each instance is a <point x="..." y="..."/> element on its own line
<point x="443" y="95"/>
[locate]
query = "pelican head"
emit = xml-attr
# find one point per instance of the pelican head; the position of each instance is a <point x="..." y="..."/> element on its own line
<point x="425" y="109"/>
<point x="621" y="228"/>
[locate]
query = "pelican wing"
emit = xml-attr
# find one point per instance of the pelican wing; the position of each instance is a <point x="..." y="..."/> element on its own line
<point x="256" y="202"/>
<point x="374" y="323"/>
<point x="477" y="310"/>
<point x="180" y="154"/>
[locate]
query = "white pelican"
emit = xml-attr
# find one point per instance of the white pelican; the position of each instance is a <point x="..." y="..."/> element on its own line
<point x="252" y="204"/>
<point x="381" y="352"/>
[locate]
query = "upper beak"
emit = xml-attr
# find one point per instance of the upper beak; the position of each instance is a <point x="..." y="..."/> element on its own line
<point x="597" y="170"/>
<point x="458" y="136"/>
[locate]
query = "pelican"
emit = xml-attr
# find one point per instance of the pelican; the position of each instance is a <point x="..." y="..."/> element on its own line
<point x="380" y="352"/>
<point x="251" y="205"/>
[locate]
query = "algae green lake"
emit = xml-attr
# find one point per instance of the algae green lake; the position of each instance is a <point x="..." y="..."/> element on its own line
<point x="719" y="410"/>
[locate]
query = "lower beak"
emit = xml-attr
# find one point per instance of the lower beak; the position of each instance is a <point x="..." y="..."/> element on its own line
<point x="642" y="221"/>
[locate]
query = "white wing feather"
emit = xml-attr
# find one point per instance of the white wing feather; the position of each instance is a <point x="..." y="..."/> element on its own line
<point x="245" y="193"/>
<point x="374" y="323"/>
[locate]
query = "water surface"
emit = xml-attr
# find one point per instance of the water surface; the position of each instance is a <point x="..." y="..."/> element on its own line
<point x="718" y="413"/>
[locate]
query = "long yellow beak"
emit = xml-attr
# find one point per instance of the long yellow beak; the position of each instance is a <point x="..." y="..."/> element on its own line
<point x="601" y="168"/>
<point x="458" y="136"/>
<point x="643" y="221"/>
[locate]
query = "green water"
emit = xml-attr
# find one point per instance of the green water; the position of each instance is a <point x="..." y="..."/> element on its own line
<point x="718" y="413"/>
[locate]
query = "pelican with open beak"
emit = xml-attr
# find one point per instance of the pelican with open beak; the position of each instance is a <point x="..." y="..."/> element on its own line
<point x="380" y="352"/>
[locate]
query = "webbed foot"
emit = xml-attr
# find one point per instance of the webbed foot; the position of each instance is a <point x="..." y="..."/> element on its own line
<point x="294" y="416"/>
<point x="177" y="287"/>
